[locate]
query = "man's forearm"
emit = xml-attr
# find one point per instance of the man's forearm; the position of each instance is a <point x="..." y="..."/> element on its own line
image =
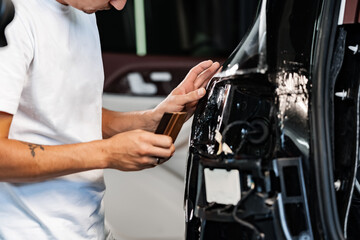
<point x="27" y="162"/>
<point x="117" y="122"/>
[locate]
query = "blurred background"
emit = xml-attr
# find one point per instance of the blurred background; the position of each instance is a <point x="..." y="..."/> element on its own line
<point x="148" y="48"/>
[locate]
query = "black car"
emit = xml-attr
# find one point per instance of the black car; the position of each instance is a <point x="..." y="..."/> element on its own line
<point x="274" y="147"/>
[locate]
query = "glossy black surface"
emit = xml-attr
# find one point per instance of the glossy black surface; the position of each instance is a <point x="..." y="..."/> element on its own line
<point x="286" y="105"/>
<point x="7" y="13"/>
<point x="260" y="104"/>
<point x="235" y="104"/>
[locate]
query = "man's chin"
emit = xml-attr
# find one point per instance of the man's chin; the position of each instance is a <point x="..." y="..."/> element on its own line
<point x="90" y="11"/>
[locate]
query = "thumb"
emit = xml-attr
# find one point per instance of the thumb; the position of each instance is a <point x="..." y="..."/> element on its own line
<point x="193" y="96"/>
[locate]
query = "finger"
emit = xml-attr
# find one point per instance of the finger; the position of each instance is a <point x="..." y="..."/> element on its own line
<point x="141" y="163"/>
<point x="195" y="71"/>
<point x="190" y="97"/>
<point x="161" y="152"/>
<point x="149" y="162"/>
<point x="162" y="141"/>
<point x="158" y="140"/>
<point x="205" y="76"/>
<point x="205" y="83"/>
<point x="160" y="161"/>
<point x="154" y="161"/>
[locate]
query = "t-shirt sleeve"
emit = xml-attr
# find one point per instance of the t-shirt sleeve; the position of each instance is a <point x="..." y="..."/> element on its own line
<point x="15" y="60"/>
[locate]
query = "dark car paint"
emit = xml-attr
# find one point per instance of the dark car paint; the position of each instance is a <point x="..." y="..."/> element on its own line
<point x="309" y="140"/>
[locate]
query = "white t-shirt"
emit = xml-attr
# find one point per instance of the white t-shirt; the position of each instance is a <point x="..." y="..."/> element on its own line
<point x="51" y="80"/>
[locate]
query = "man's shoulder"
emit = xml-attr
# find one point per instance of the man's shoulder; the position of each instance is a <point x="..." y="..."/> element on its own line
<point x="27" y="9"/>
<point x="21" y="5"/>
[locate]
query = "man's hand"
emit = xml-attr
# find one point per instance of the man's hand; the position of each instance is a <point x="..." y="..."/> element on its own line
<point x="128" y="151"/>
<point x="186" y="95"/>
<point x="183" y="98"/>
<point x="137" y="150"/>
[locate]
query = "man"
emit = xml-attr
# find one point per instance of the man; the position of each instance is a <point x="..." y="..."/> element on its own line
<point x="52" y="124"/>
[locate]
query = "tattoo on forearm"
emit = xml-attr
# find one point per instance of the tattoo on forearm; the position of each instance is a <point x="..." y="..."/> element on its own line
<point x="32" y="148"/>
